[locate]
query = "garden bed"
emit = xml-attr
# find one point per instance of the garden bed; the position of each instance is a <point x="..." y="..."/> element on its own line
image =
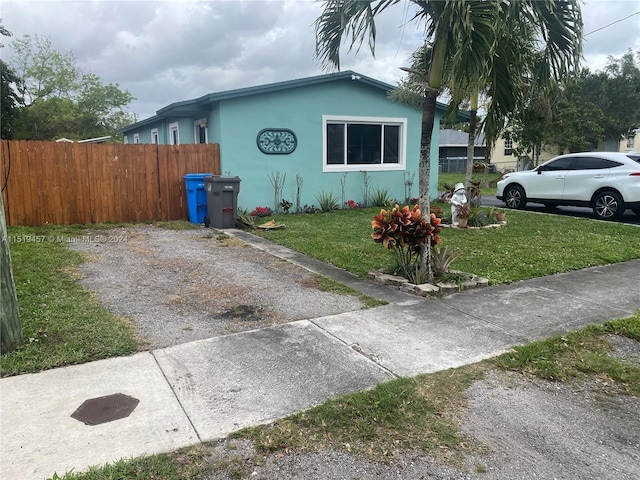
<point x="466" y="281"/>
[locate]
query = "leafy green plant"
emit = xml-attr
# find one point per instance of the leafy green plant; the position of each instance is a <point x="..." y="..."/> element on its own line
<point x="463" y="211"/>
<point x="327" y="201"/>
<point x="478" y="218"/>
<point x="285" y="205"/>
<point x="380" y="197"/>
<point x="405" y="232"/>
<point x="246" y="220"/>
<point x="441" y="259"/>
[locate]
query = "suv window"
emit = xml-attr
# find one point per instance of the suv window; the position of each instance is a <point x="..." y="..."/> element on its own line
<point x="559" y="164"/>
<point x="594" y="163"/>
<point x="635" y="158"/>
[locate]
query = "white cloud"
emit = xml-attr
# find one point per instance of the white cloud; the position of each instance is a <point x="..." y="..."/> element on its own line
<point x="166" y="51"/>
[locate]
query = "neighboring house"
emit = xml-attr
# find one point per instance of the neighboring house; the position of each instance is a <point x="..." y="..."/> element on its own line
<point x="453" y="150"/>
<point x="629" y="144"/>
<point x="325" y="130"/>
<point x="504" y="157"/>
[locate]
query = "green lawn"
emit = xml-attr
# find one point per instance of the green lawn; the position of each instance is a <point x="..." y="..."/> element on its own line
<point x="62" y="322"/>
<point x="529" y="245"/>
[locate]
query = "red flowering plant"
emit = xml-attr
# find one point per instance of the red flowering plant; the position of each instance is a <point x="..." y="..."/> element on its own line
<point x="261" y="212"/>
<point x="351" y="204"/>
<point x="405" y="231"/>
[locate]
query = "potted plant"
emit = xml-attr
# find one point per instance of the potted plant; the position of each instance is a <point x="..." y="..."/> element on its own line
<point x="463" y="213"/>
<point x="497" y="215"/>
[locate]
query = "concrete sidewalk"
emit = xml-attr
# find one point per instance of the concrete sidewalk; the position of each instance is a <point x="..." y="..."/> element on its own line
<point x="204" y="390"/>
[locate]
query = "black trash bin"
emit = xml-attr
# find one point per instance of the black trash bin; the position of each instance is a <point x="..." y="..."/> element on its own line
<point x="222" y="197"/>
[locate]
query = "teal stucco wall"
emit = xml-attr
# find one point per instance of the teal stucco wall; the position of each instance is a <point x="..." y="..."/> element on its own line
<point x="301" y="110"/>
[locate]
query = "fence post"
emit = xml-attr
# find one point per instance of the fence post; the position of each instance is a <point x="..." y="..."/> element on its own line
<point x="11" y="329"/>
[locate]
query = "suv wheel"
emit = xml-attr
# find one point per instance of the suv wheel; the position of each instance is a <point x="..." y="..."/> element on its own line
<point x="514" y="197"/>
<point x="608" y="205"/>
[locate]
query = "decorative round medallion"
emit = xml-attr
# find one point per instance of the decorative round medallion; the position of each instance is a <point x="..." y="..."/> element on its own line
<point x="277" y="141"/>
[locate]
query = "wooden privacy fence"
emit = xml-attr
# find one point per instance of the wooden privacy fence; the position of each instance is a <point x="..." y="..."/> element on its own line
<point x="80" y="183"/>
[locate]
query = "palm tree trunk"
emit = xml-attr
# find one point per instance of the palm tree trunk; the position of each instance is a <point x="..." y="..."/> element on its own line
<point x="473" y="122"/>
<point x="424" y="171"/>
<point x="436" y="67"/>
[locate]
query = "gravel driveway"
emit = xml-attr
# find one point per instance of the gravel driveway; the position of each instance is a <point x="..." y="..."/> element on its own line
<point x="177" y="286"/>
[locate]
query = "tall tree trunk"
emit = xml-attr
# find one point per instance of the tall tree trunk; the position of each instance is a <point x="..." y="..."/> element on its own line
<point x="424" y="170"/>
<point x="473" y="122"/>
<point x="10" y="327"/>
<point x="434" y="78"/>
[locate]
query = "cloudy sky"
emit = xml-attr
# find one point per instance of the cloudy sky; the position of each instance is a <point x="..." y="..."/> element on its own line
<point x="166" y="51"/>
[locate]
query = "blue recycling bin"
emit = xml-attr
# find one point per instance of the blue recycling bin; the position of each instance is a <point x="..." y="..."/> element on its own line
<point x="197" y="205"/>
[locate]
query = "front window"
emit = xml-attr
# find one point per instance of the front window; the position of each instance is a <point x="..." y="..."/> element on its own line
<point x="174" y="137"/>
<point x="630" y="142"/>
<point x="363" y="143"/>
<point x="508" y="148"/>
<point x="200" y="131"/>
<point x="136" y="138"/>
<point x="154" y="136"/>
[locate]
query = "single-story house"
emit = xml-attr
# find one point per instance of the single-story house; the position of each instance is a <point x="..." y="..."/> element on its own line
<point x="321" y="132"/>
<point x="453" y="150"/>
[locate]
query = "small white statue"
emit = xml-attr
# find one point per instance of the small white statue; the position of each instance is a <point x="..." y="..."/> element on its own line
<point x="458" y="199"/>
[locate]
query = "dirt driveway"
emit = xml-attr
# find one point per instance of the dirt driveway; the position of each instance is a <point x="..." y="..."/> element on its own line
<point x="178" y="286"/>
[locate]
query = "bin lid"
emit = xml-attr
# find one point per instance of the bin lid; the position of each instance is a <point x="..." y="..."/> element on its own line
<point x="198" y="176"/>
<point x="220" y="179"/>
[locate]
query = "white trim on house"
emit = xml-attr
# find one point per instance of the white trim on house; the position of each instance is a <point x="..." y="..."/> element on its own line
<point x="125" y="139"/>
<point x="136" y="138"/>
<point x="174" y="134"/>
<point x="155" y="136"/>
<point x="355" y="167"/>
<point x="197" y="125"/>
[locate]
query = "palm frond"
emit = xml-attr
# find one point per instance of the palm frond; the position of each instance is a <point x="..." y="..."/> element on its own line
<point x="342" y="18"/>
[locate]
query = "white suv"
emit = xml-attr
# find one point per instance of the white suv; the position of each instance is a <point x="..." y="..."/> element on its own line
<point x="608" y="182"/>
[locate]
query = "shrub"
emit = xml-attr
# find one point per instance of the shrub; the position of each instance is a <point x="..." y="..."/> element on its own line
<point x="405" y="231"/>
<point x="380" y="197"/>
<point x="442" y="258"/>
<point x="327" y="201"/>
<point x="285" y="205"/>
<point x="261" y="212"/>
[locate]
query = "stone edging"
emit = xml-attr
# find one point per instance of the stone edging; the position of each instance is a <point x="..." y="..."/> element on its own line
<point x="491" y="225"/>
<point x="427" y="289"/>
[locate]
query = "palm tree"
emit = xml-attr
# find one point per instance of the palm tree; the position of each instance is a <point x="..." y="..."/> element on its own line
<point x="464" y="33"/>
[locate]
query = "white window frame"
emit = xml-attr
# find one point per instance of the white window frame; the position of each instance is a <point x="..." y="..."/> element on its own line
<point x="136" y="138"/>
<point x="196" y="124"/>
<point x="402" y="148"/>
<point x="508" y="148"/>
<point x="155" y="136"/>
<point x="174" y="127"/>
